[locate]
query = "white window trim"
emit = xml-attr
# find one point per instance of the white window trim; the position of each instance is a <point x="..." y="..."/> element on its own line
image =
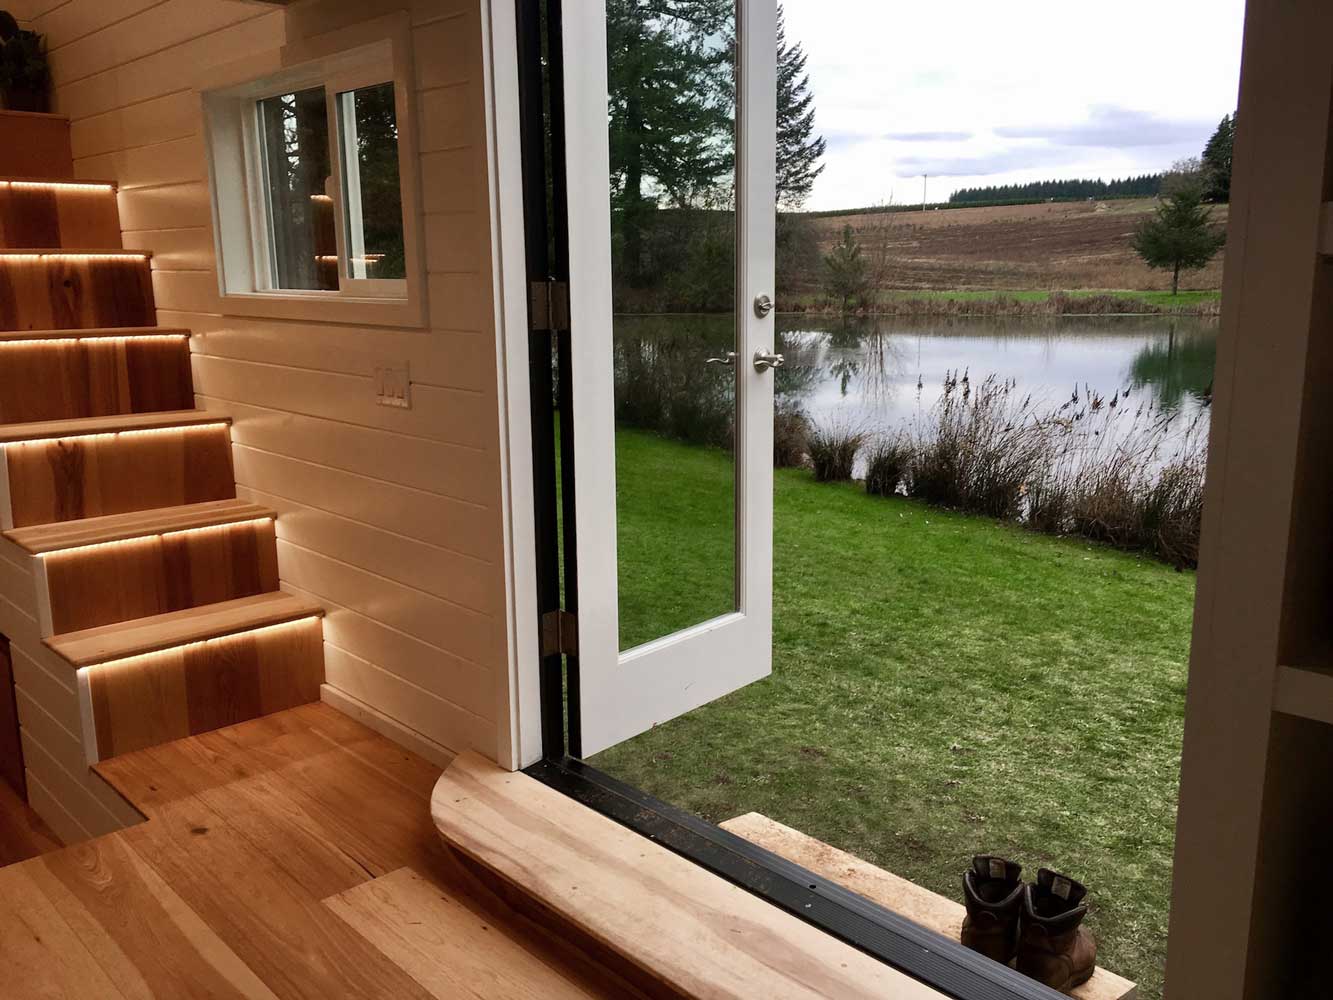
<point x="374" y="52"/>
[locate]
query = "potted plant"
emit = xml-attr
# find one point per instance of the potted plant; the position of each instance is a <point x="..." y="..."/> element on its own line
<point x="23" y="71"/>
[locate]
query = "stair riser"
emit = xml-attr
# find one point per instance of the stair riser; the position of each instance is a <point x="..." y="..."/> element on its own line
<point x="69" y="379"/>
<point x="58" y="216"/>
<point x="35" y="145"/>
<point x="66" y="479"/>
<point x="75" y="292"/>
<point x="122" y="581"/>
<point x="166" y="696"/>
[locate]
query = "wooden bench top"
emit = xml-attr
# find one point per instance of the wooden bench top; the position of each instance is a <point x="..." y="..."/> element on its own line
<point x="929" y="909"/>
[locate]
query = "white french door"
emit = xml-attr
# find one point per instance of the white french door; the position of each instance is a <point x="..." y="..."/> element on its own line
<point x="674" y="597"/>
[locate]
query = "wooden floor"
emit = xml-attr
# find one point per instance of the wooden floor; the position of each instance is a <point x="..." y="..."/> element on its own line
<point x="23" y="835"/>
<point x="292" y="856"/>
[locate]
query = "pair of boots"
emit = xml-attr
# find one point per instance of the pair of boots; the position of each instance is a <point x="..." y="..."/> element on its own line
<point x="1037" y="926"/>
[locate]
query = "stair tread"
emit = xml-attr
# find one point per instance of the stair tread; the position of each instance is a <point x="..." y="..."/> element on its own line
<point x="929" y="909"/>
<point x="178" y="628"/>
<point x="136" y="524"/>
<point x="74" y="252"/>
<point x="13" y="433"/>
<point x="94" y="333"/>
<point x="19" y="179"/>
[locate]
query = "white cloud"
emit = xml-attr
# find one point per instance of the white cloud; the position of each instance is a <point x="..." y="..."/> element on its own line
<point x="977" y="92"/>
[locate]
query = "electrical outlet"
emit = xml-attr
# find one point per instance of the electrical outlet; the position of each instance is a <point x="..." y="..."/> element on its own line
<point x="393" y="385"/>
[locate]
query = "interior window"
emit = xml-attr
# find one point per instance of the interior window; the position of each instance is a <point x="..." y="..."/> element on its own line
<point x="372" y="194"/>
<point x="302" y="234"/>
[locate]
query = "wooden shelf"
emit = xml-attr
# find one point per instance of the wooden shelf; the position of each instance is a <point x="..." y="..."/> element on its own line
<point x="74" y="252"/>
<point x="49" y="429"/>
<point x="61" y="181"/>
<point x="1305" y="692"/>
<point x="179" y="628"/>
<point x="44" y="538"/>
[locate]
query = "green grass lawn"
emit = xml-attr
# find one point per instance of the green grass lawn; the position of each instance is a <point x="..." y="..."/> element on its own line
<point x="942" y="685"/>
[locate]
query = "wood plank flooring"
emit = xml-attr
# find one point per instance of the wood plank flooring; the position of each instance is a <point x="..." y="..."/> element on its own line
<point x="289" y="857"/>
<point x="23" y="835"/>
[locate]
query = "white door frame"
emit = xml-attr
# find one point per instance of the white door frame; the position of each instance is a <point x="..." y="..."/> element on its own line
<point x="518" y="691"/>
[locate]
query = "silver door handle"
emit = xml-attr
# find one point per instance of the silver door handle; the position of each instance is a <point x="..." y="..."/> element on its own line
<point x="764" y="361"/>
<point x="728" y="359"/>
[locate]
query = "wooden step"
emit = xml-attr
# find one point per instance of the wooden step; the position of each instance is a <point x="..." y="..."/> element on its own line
<point x="673" y="928"/>
<point x="126" y="423"/>
<point x="52" y="213"/>
<point x="35" y="145"/>
<point x="46" y="289"/>
<point x="118" y="581"/>
<point x="94" y="333"/>
<point x="929" y="909"/>
<point x="51" y="378"/>
<point x="47" y="538"/>
<point x="180" y="628"/>
<point x="164" y="678"/>
<point x="67" y="470"/>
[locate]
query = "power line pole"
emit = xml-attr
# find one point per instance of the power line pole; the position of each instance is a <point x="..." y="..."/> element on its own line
<point x="925" y="179"/>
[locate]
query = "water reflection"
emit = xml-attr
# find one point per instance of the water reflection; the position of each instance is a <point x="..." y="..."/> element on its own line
<point x="881" y="373"/>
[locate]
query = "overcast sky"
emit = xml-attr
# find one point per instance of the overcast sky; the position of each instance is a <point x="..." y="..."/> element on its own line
<point x="979" y="92"/>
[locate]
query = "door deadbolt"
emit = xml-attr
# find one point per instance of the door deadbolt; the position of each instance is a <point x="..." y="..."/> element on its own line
<point x="763" y="305"/>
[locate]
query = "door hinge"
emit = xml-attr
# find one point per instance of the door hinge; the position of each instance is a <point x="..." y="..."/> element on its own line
<point x="560" y="634"/>
<point x="550" y="305"/>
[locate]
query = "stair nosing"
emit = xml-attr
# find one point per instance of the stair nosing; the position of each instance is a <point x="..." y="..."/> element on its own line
<point x="94" y="333"/>
<point x="240" y="512"/>
<point x="298" y="609"/>
<point x="46" y="430"/>
<point x="65" y="181"/>
<point x="73" y="252"/>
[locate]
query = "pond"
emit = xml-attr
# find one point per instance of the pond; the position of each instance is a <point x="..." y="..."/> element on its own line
<point x="879" y="374"/>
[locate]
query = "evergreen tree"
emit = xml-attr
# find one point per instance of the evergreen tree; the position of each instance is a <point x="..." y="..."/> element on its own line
<point x="1180" y="236"/>
<point x="671" y="112"/>
<point x="1217" y="161"/>
<point x="799" y="149"/>
<point x="846" y="270"/>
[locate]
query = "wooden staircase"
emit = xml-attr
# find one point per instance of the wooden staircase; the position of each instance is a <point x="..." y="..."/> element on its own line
<point x="156" y="588"/>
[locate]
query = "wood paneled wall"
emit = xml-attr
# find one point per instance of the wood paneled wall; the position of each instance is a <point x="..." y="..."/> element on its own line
<point x="67" y="478"/>
<point x="71" y="292"/>
<point x="93" y="378"/>
<point x="169" y="573"/>
<point x="389" y="518"/>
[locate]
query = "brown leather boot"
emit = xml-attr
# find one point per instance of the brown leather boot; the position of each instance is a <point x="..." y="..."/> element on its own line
<point x="993" y="895"/>
<point x="1054" y="948"/>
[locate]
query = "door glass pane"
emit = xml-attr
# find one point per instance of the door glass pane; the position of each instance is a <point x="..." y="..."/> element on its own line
<point x="372" y="194"/>
<point x="303" y="244"/>
<point x="672" y="118"/>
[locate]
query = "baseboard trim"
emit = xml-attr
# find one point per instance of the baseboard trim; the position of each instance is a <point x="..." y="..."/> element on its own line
<point x="422" y="746"/>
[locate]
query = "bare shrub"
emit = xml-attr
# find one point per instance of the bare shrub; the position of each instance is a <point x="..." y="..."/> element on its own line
<point x="977" y="449"/>
<point x="833" y="449"/>
<point x="791" y="436"/>
<point x="1129" y="476"/>
<point x="888" y="465"/>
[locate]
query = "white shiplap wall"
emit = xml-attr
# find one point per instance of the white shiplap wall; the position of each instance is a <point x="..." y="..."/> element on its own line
<point x="391" y="519"/>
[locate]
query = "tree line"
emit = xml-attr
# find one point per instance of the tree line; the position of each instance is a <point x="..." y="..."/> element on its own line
<point x="1143" y="186"/>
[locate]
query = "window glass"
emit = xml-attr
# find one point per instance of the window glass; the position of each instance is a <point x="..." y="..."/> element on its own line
<point x="372" y="196"/>
<point x="303" y="250"/>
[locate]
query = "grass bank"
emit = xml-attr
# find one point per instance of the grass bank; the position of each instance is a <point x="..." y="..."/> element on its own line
<point x="968" y="302"/>
<point x="942" y="685"/>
